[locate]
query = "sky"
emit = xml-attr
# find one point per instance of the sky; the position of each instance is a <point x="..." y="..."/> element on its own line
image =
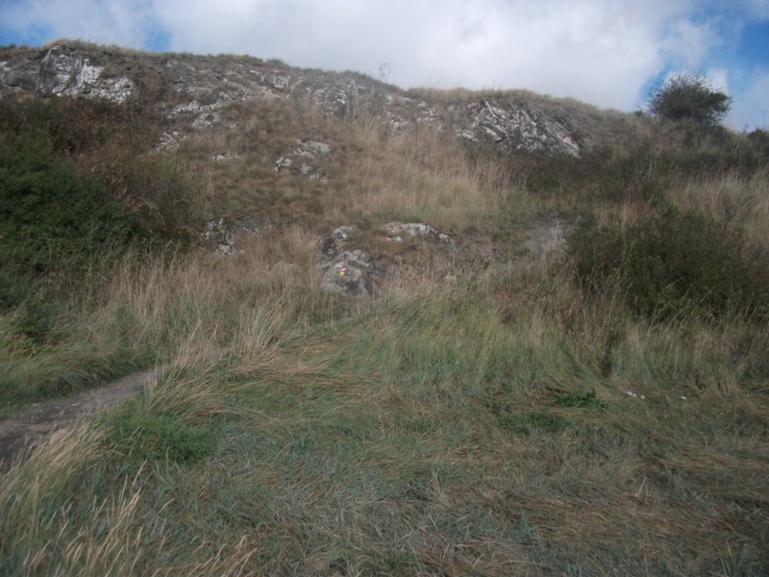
<point x="609" y="53"/>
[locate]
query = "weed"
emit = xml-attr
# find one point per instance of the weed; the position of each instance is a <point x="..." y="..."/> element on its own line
<point x="581" y="400"/>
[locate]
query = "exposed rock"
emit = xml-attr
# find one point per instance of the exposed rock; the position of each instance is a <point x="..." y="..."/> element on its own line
<point x="199" y="88"/>
<point x="397" y="230"/>
<point x="197" y="108"/>
<point x="351" y="271"/>
<point x="519" y="128"/>
<point x="224" y="156"/>
<point x="223" y="231"/>
<point x="347" y="272"/>
<point x="309" y="152"/>
<point x="343" y="277"/>
<point x="169" y="142"/>
<point x="64" y="73"/>
<point x="466" y="134"/>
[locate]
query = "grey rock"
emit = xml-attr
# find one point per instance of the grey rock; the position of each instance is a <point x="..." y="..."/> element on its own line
<point x="519" y="128"/>
<point x="203" y="87"/>
<point x="205" y="120"/>
<point x="311" y="153"/>
<point x="397" y="230"/>
<point x="345" y="278"/>
<point x="222" y="231"/>
<point x="347" y="272"/>
<point x="61" y="72"/>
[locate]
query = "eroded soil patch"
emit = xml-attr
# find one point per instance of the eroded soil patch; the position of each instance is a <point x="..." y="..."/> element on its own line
<point x="41" y="420"/>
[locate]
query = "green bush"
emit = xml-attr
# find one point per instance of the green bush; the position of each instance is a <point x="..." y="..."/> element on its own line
<point x="642" y="173"/>
<point x="163" y="198"/>
<point x="50" y="217"/>
<point x="673" y="263"/>
<point x="689" y="97"/>
<point x="74" y="179"/>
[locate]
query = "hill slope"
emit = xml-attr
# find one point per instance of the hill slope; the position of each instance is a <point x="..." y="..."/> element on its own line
<point x="453" y="333"/>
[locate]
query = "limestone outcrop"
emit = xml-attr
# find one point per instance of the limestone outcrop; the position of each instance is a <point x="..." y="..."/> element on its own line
<point x="194" y="90"/>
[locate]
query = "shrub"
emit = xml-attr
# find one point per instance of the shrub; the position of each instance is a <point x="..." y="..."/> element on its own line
<point x="73" y="180"/>
<point x="49" y="216"/>
<point x="673" y="263"/>
<point x="689" y="97"/>
<point x="160" y="196"/>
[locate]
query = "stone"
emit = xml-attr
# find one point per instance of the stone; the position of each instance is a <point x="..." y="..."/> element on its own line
<point x="311" y="152"/>
<point x="347" y="272"/>
<point x="397" y="230"/>
<point x="63" y="72"/>
<point x="515" y="125"/>
<point x="345" y="278"/>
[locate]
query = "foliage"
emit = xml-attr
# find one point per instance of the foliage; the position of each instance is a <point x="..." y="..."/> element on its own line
<point x="73" y="181"/>
<point x="581" y="400"/>
<point x="689" y="97"/>
<point x="673" y="263"/>
<point x="162" y="198"/>
<point x="49" y="215"/>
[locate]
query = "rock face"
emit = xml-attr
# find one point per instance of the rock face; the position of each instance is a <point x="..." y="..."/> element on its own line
<point x="519" y="128"/>
<point x="300" y="160"/>
<point x="397" y="231"/>
<point x="347" y="272"/>
<point x="63" y="74"/>
<point x="193" y="90"/>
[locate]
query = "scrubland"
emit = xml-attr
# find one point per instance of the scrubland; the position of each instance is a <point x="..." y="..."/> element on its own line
<point x="606" y="413"/>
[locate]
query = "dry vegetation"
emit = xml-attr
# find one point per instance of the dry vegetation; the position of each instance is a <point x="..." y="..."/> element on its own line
<point x="512" y="424"/>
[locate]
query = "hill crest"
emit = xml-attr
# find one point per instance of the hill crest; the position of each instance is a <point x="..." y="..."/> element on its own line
<point x="192" y="89"/>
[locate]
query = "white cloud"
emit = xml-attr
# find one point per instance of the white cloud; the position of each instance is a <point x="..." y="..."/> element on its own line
<point x="758" y="8"/>
<point x="122" y="22"/>
<point x="601" y="51"/>
<point x="750" y="106"/>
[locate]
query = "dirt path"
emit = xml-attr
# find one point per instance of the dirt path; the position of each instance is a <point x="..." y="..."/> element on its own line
<point x="40" y="420"/>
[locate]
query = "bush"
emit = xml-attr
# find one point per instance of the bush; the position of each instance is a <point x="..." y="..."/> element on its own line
<point x="689" y="97"/>
<point x="49" y="216"/>
<point x="673" y="263"/>
<point x="74" y="180"/>
<point x="161" y="197"/>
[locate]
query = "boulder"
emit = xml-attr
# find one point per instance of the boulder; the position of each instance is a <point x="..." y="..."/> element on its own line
<point x="348" y="272"/>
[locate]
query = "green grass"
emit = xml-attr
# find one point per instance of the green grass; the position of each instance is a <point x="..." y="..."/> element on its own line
<point x="426" y="436"/>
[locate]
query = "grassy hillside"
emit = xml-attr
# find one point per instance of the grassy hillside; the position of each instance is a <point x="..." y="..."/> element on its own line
<point x="489" y="413"/>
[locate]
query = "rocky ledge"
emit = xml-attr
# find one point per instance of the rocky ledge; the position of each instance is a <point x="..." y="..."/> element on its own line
<point x="191" y="90"/>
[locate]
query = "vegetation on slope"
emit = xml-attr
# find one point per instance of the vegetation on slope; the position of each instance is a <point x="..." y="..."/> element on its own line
<point x="547" y="420"/>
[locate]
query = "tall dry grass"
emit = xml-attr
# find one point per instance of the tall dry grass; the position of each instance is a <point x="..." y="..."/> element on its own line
<point x="417" y="174"/>
<point x="735" y="198"/>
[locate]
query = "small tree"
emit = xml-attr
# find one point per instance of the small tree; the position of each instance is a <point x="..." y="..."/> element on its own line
<point x="690" y="97"/>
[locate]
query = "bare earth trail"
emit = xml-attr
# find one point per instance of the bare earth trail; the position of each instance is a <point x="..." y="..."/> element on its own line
<point x="41" y="420"/>
<point x="544" y="238"/>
